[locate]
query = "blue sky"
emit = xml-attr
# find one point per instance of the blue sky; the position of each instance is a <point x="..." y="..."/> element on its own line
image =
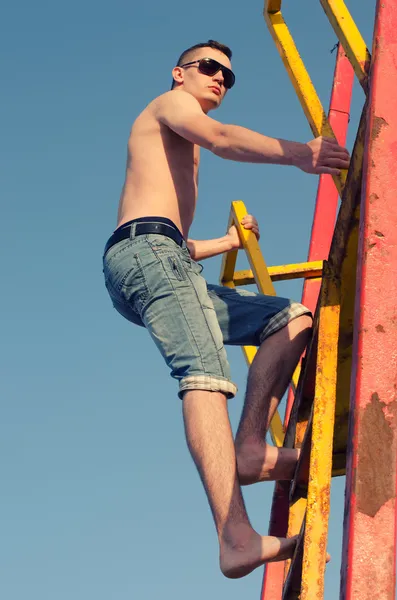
<point x="100" y="498"/>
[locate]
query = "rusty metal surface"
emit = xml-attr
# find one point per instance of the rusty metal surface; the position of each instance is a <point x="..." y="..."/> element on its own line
<point x="350" y="200"/>
<point x="343" y="260"/>
<point x="346" y="233"/>
<point x="345" y="342"/>
<point x="369" y="547"/>
<point x="317" y="513"/>
<point x="282" y="520"/>
<point x="304" y="395"/>
<point x="343" y="256"/>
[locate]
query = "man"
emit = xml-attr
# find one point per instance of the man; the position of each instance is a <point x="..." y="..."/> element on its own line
<point x="154" y="281"/>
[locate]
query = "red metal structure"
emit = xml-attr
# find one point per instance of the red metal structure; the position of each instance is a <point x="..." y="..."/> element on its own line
<point x="342" y="414"/>
<point x="369" y="546"/>
<point x="363" y="267"/>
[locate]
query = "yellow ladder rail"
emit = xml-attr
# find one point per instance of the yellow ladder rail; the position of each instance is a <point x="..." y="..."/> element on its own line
<point x="351" y="39"/>
<point x="262" y="276"/>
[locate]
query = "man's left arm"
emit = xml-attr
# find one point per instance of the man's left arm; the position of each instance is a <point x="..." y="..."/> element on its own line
<point x="201" y="249"/>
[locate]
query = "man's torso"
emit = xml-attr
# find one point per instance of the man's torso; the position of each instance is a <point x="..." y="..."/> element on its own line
<point x="161" y="174"/>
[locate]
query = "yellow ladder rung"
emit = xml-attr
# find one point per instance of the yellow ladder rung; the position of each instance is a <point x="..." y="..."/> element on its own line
<point x="306" y="270"/>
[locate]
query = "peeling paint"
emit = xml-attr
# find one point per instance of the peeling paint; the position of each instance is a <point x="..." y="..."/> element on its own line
<point x="377" y="126"/>
<point x="376" y="478"/>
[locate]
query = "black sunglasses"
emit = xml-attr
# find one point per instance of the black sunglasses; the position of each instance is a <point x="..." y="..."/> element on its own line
<point x="209" y="66"/>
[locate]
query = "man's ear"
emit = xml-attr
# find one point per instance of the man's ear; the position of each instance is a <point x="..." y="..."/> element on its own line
<point x="177" y="74"/>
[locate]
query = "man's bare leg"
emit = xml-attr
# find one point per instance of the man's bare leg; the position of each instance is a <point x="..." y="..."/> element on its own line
<point x="269" y="376"/>
<point x="211" y="444"/>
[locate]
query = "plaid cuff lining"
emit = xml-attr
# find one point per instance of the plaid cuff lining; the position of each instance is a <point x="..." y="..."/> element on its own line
<point x="209" y="383"/>
<point x="282" y="318"/>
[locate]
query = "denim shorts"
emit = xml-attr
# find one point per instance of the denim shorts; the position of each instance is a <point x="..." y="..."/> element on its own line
<point x="154" y="283"/>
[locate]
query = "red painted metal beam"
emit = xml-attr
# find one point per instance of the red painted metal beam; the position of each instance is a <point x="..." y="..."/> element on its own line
<point x="321" y="236"/>
<point x="327" y="194"/>
<point x="369" y="546"/>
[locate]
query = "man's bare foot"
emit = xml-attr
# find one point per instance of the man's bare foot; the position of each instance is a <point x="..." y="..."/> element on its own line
<point x="239" y="559"/>
<point x="258" y="461"/>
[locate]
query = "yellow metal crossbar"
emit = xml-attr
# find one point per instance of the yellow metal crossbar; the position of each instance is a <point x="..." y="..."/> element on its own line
<point x="307" y="270"/>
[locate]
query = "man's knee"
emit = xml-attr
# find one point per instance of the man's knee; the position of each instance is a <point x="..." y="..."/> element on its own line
<point x="302" y="323"/>
<point x="300" y="329"/>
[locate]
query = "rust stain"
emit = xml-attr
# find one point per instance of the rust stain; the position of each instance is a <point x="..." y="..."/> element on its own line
<point x="376" y="477"/>
<point x="373" y="197"/>
<point x="380" y="329"/>
<point x="378" y="124"/>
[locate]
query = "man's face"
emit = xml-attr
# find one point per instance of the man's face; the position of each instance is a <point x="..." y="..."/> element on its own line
<point x="209" y="90"/>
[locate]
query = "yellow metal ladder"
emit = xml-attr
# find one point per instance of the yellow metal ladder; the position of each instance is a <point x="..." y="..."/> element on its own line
<point x="319" y="419"/>
<point x="318" y="423"/>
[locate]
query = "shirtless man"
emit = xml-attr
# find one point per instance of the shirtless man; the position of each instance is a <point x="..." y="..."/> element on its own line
<point x="154" y="281"/>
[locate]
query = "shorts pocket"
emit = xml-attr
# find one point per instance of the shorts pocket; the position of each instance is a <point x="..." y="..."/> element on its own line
<point x="133" y="286"/>
<point x="173" y="264"/>
<point x="176" y="267"/>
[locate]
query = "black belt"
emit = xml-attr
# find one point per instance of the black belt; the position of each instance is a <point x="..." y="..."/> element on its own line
<point x="123" y="233"/>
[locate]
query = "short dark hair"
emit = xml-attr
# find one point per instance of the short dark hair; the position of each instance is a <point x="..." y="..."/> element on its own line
<point x="186" y="54"/>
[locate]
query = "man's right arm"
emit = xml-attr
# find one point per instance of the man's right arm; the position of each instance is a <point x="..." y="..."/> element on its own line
<point x="182" y="113"/>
